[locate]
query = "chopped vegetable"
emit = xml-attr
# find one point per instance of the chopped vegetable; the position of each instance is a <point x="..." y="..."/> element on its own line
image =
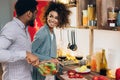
<point x="48" y="68"/>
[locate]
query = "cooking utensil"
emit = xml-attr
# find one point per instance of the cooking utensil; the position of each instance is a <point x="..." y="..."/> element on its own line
<point x="68" y="40"/>
<point x="73" y="47"/>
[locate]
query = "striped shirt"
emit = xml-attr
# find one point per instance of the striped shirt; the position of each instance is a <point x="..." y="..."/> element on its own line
<point x="14" y="42"/>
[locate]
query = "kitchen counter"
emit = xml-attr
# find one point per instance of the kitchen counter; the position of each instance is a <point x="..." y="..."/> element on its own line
<point x="87" y="76"/>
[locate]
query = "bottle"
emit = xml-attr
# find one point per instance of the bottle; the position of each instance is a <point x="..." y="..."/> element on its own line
<point x="103" y="64"/>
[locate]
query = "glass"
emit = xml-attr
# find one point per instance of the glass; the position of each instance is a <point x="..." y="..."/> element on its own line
<point x="61" y="54"/>
<point x="93" y="63"/>
<point x="98" y="52"/>
<point x="62" y="58"/>
<point x="79" y="58"/>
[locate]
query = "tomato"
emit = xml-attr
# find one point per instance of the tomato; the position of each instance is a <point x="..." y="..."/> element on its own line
<point x="100" y="78"/>
<point x="71" y="73"/>
<point x="77" y="75"/>
<point x="95" y="78"/>
<point x="54" y="72"/>
<point x="103" y="78"/>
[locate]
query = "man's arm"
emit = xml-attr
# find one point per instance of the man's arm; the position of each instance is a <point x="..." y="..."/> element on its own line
<point x="12" y="56"/>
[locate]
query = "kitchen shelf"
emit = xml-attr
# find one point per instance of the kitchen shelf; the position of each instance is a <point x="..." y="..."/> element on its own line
<point x="101" y="11"/>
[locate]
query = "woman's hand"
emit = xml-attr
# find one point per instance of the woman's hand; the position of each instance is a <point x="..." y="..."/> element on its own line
<point x="54" y="61"/>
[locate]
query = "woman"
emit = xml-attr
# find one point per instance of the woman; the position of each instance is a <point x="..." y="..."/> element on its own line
<point x="44" y="44"/>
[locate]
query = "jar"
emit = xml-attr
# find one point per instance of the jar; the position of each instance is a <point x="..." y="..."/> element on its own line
<point x="91" y="15"/>
<point x="111" y="22"/>
<point x="91" y="12"/>
<point x="85" y="18"/>
<point x="112" y="16"/>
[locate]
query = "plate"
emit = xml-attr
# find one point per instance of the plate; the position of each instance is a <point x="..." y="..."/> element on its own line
<point x="83" y="72"/>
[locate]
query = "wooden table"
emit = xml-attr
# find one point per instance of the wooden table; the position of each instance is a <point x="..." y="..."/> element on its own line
<point x="87" y="76"/>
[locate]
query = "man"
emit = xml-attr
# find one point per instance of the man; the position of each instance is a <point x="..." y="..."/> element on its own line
<point x="15" y="44"/>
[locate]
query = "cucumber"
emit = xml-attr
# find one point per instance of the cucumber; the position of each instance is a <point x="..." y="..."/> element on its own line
<point x="41" y="72"/>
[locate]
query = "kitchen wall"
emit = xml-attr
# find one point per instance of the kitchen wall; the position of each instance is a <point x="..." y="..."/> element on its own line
<point x="6" y="11"/>
<point x="109" y="40"/>
<point x="73" y="19"/>
<point x="103" y="39"/>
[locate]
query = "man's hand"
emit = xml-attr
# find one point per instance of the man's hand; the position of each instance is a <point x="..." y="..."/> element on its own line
<point x="32" y="59"/>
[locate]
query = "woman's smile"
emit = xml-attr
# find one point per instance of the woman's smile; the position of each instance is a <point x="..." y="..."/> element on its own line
<point x="52" y="19"/>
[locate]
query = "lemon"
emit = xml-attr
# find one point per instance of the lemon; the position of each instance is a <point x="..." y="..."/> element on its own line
<point x="82" y="68"/>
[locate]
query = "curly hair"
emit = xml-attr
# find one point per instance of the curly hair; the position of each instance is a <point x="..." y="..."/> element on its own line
<point x="62" y="10"/>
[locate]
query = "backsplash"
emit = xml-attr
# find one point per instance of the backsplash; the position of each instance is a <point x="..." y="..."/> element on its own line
<point x="103" y="39"/>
